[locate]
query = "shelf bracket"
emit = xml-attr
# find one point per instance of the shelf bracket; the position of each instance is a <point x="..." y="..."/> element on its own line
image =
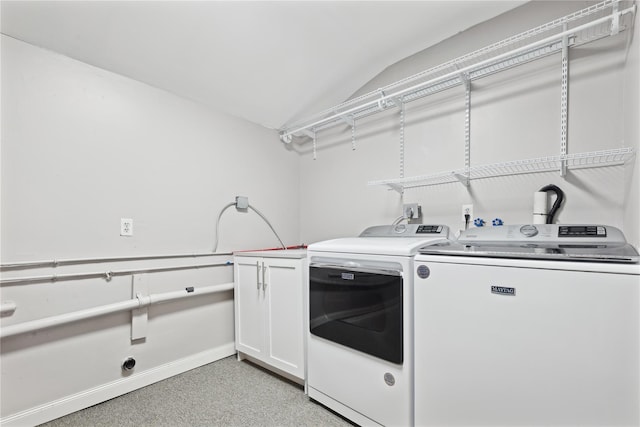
<point x="349" y="120"/>
<point x="309" y="133"/>
<point x="382" y="102"/>
<point x="464" y="179"/>
<point x="286" y="138"/>
<point x="396" y="187"/>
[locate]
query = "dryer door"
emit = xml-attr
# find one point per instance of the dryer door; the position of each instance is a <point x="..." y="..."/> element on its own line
<point x="358" y="307"/>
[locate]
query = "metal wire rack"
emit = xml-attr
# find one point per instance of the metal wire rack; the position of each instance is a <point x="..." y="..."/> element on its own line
<point x="592" y="23"/>
<point x="591" y="159"/>
<point x="589" y="24"/>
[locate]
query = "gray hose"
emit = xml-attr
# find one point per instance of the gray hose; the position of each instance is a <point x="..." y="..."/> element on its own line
<point x="215" y="245"/>
<point x="270" y="226"/>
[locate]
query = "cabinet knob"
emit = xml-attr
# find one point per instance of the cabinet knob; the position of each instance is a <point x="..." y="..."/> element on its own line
<point x="264" y="277"/>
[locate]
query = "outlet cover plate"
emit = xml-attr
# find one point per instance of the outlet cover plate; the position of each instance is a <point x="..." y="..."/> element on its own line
<point x="126" y="227"/>
<point x="467" y="209"/>
<point x="411" y="210"/>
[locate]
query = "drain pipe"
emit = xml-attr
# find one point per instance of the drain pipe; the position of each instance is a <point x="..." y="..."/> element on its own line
<point x="139" y="301"/>
<point x="107" y="275"/>
<point x="72" y="261"/>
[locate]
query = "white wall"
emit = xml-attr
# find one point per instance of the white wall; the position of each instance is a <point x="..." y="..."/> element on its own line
<point x="631" y="108"/>
<point x="82" y="148"/>
<point x="514" y="115"/>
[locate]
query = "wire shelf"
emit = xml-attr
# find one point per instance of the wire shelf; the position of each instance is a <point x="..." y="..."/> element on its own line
<point x="589" y="24"/>
<point x="591" y="159"/>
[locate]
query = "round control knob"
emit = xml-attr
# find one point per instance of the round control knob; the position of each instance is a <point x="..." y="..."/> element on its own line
<point x="529" y="230"/>
<point x="400" y="228"/>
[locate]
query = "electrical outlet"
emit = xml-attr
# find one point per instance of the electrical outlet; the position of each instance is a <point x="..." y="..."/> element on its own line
<point x="467" y="210"/>
<point x="411" y="211"/>
<point x="126" y="227"/>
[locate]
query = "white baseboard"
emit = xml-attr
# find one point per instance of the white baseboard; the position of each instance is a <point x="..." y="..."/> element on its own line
<point x="290" y="377"/>
<point x="66" y="405"/>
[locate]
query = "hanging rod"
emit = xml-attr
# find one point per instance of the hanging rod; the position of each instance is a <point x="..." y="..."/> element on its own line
<point x="72" y="261"/>
<point x="501" y="61"/>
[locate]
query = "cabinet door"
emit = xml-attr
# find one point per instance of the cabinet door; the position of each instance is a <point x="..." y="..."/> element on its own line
<point x="284" y="287"/>
<point x="249" y="306"/>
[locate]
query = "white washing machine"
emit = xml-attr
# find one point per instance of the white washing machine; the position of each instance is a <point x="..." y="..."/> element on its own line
<point x="528" y="325"/>
<point x="360" y="338"/>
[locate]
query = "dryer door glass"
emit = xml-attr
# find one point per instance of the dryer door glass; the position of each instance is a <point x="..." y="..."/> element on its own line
<point x="359" y="309"/>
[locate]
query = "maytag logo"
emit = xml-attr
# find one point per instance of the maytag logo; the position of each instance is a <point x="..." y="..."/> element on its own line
<point x="502" y="290"/>
<point x="348" y="276"/>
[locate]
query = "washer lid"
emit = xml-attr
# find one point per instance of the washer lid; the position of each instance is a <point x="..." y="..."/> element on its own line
<point x="541" y="241"/>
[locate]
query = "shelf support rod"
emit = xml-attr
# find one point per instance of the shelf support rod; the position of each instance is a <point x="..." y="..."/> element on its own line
<point x="350" y="121"/>
<point x="353" y="135"/>
<point x="311" y="134"/>
<point x="564" y="101"/>
<point x="615" y="20"/>
<point x="402" y="111"/>
<point x="467" y="125"/>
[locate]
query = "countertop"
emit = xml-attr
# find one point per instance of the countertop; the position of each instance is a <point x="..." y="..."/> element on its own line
<point x="281" y="253"/>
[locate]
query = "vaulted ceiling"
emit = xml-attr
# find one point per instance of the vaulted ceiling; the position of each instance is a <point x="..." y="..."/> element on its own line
<point x="270" y="62"/>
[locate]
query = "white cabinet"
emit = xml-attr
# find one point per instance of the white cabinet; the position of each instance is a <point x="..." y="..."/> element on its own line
<point x="269" y="308"/>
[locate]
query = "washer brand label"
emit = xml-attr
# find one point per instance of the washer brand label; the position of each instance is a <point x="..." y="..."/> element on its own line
<point x="501" y="290"/>
<point x="348" y="276"/>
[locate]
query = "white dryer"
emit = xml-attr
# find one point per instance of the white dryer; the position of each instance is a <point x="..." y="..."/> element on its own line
<point x="528" y="325"/>
<point x="360" y="340"/>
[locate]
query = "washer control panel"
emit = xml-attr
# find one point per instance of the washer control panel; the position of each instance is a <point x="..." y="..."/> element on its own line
<point x="429" y="229"/>
<point x="582" y="231"/>
<point x="406" y="230"/>
<point x="543" y="234"/>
